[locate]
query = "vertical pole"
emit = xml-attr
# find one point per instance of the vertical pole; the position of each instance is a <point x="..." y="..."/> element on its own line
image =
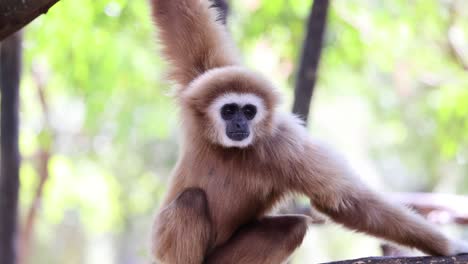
<point x="10" y="69"/>
<point x="310" y="58"/>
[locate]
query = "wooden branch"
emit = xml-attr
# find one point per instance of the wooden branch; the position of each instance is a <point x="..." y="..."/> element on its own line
<point x="27" y="230"/>
<point x="15" y="14"/>
<point x="437" y="207"/>
<point x="10" y="70"/>
<point x="455" y="49"/>
<point x="309" y="61"/>
<point x="462" y="259"/>
<point x="44" y="154"/>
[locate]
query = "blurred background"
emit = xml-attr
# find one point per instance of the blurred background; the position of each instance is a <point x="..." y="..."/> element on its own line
<point x="98" y="131"/>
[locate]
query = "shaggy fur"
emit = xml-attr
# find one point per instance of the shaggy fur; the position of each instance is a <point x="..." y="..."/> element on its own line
<point x="215" y="208"/>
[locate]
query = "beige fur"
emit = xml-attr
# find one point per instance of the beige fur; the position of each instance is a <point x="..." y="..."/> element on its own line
<point x="215" y="208"/>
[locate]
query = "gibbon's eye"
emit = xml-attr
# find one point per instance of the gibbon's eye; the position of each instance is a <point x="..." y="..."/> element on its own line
<point x="249" y="111"/>
<point x="228" y="111"/>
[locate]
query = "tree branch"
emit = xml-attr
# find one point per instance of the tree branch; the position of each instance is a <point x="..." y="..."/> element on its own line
<point x="410" y="260"/>
<point x="27" y="230"/>
<point x="44" y="154"/>
<point x="16" y="14"/>
<point x="455" y="48"/>
<point x="311" y="51"/>
<point x="438" y="208"/>
<point x="10" y="70"/>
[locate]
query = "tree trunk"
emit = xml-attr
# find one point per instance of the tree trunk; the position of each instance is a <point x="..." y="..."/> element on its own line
<point x="10" y="68"/>
<point x="310" y="57"/>
<point x="15" y="14"/>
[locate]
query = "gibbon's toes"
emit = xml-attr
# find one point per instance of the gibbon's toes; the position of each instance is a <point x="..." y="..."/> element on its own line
<point x="460" y="247"/>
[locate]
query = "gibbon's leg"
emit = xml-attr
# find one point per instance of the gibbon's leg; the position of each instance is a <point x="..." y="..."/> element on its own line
<point x="182" y="230"/>
<point x="269" y="240"/>
<point x="335" y="191"/>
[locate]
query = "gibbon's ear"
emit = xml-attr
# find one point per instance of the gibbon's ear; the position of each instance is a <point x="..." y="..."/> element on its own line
<point x="193" y="39"/>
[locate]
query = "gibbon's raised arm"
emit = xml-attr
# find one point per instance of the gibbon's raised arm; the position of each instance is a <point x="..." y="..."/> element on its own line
<point x="193" y="40"/>
<point x="335" y="191"/>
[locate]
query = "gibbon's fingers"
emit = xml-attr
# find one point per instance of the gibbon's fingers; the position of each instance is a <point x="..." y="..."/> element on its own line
<point x="269" y="240"/>
<point x="182" y="230"/>
<point x="335" y="191"/>
<point x="192" y="38"/>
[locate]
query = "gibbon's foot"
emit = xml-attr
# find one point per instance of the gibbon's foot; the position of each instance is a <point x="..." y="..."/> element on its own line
<point x="269" y="240"/>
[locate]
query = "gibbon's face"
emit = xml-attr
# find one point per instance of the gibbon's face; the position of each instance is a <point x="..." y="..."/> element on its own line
<point x="231" y="106"/>
<point x="235" y="117"/>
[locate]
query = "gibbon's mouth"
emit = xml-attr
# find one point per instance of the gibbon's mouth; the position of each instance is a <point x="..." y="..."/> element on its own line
<point x="238" y="136"/>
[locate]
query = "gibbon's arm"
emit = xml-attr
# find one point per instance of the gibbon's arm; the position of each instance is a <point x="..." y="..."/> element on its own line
<point x="335" y="191"/>
<point x="192" y="38"/>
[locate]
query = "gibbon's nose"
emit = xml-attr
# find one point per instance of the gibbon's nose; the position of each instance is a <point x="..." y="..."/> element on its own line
<point x="238" y="129"/>
<point x="240" y="124"/>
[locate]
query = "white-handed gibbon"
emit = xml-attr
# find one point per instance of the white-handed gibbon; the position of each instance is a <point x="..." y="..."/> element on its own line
<point x="240" y="155"/>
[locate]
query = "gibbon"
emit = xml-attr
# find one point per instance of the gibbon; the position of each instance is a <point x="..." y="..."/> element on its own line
<point x="240" y="156"/>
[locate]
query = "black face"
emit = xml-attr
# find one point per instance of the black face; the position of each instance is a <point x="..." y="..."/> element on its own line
<point x="237" y="120"/>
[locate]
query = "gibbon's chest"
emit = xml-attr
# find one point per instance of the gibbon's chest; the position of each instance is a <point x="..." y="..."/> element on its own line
<point x="231" y="186"/>
<point x="237" y="192"/>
